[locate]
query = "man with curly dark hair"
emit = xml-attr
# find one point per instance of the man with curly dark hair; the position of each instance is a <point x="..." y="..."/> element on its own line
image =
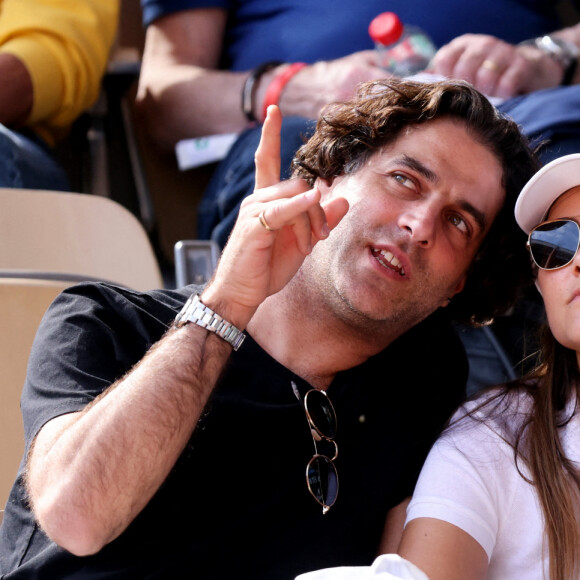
<point x="347" y="136"/>
<point x="206" y="445"/>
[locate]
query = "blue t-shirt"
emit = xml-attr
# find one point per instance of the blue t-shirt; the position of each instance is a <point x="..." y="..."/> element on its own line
<point x="306" y="31"/>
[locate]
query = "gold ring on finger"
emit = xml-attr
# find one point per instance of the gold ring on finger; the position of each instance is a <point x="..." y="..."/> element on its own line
<point x="490" y="65"/>
<point x="264" y="223"/>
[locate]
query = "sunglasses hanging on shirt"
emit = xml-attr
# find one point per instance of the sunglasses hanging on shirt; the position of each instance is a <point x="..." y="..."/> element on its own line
<point x="553" y="244"/>
<point x="321" y="474"/>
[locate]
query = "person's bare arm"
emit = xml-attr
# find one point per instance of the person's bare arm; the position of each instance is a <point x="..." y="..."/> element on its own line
<point x="182" y="94"/>
<point x="394" y="525"/>
<point x="443" y="551"/>
<point x="15" y="91"/>
<point x="91" y="473"/>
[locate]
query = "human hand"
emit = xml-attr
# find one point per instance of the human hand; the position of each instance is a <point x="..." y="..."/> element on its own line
<point x="258" y="262"/>
<point x="495" y="67"/>
<point x="326" y="81"/>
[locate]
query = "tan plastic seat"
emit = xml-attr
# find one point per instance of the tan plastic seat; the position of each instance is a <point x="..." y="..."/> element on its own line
<point x="22" y="305"/>
<point x="48" y="241"/>
<point x="47" y="233"/>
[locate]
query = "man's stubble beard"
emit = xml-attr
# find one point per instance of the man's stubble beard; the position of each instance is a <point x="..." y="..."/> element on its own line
<point x="343" y="300"/>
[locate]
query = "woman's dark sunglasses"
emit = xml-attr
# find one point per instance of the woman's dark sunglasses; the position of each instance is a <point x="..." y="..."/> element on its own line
<point x="321" y="474"/>
<point x="553" y="244"/>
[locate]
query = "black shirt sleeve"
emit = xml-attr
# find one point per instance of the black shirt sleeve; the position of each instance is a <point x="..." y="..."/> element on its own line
<point x="90" y="337"/>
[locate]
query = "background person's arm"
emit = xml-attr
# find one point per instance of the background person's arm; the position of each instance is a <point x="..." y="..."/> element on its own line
<point x="15" y="91"/>
<point x="571" y="34"/>
<point x="64" y="48"/>
<point x="182" y="94"/>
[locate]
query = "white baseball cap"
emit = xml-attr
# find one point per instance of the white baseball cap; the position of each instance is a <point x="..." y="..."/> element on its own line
<point x="544" y="188"/>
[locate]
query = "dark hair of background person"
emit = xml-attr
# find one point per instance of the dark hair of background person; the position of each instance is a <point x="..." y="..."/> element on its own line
<point x="348" y="133"/>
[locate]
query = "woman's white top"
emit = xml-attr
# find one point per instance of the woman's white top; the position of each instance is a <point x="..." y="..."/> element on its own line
<point x="470" y="480"/>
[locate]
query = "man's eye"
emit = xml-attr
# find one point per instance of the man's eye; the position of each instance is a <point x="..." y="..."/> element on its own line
<point x="403" y="180"/>
<point x="459" y="223"/>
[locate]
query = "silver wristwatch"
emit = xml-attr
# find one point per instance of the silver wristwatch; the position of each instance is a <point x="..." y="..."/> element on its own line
<point x="564" y="52"/>
<point x="196" y="311"/>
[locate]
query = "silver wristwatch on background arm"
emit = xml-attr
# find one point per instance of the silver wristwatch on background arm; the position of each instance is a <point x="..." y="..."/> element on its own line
<point x="196" y="311"/>
<point x="564" y="52"/>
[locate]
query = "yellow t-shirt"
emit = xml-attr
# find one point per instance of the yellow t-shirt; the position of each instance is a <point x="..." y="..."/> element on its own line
<point x="65" y="46"/>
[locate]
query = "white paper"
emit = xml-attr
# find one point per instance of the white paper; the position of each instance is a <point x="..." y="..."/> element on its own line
<point x="203" y="150"/>
<point x="425" y="77"/>
<point x="385" y="567"/>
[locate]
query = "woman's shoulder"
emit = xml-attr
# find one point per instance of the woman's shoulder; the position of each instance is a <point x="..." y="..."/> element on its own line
<point x="500" y="412"/>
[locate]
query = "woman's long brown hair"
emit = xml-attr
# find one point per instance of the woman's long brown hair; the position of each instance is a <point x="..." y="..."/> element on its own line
<point x="536" y="442"/>
<point x="553" y="384"/>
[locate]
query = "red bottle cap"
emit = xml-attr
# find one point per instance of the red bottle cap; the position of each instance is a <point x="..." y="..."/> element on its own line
<point x="386" y="28"/>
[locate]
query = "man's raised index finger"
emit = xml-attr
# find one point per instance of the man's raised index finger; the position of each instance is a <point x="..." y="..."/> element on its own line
<point x="268" y="153"/>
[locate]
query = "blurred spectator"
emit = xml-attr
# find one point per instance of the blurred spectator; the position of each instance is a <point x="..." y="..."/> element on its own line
<point x="53" y="54"/>
<point x="199" y="54"/>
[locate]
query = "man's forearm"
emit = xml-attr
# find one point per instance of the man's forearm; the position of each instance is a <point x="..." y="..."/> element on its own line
<point x="15" y="91"/>
<point x="90" y="476"/>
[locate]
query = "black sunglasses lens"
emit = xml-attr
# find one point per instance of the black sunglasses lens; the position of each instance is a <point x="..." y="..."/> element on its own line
<point x="322" y="480"/>
<point x="321" y="413"/>
<point x="554" y="244"/>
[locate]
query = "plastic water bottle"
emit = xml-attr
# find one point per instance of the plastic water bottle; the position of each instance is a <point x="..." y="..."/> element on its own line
<point x="402" y="50"/>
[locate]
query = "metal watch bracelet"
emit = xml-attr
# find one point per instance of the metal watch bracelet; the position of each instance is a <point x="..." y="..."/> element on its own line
<point x="564" y="52"/>
<point x="196" y="311"/>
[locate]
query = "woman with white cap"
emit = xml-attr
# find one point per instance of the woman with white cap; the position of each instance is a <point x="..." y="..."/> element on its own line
<point x="499" y="495"/>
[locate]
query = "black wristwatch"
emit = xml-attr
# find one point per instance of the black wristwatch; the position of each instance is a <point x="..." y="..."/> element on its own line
<point x="564" y="52"/>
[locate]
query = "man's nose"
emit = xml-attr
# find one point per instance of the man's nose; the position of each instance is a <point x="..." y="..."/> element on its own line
<point x="419" y="222"/>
